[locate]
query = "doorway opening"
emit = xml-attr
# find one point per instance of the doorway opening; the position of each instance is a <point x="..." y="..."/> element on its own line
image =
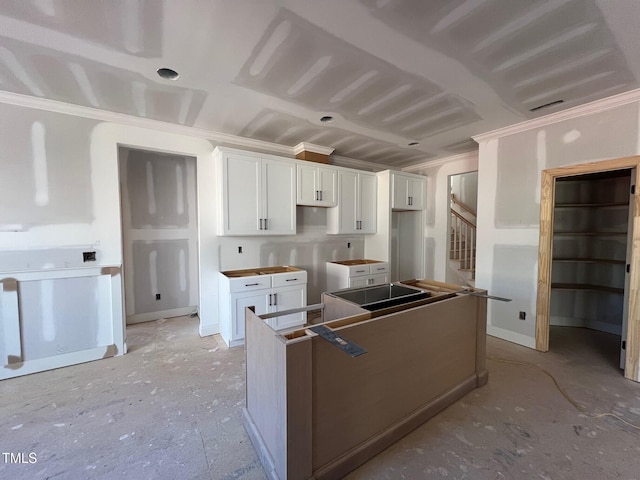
<point x="588" y="227"/>
<point x="159" y="235"/>
<point x="462" y="220"/>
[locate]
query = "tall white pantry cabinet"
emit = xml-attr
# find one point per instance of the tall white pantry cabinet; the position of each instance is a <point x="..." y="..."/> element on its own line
<point x="257" y="194"/>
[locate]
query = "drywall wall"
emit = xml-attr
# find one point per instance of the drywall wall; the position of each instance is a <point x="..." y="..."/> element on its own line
<point x="160" y="234"/>
<point x="309" y="249"/>
<point x="437" y="212"/>
<point x="509" y="202"/>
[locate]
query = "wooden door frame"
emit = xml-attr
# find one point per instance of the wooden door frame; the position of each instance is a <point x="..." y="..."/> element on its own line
<point x="545" y="256"/>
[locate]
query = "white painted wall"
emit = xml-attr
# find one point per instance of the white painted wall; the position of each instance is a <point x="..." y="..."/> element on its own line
<point x="510" y="166"/>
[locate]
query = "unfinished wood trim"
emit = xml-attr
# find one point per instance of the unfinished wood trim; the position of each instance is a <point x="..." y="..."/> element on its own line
<point x="545" y="256"/>
<point x="632" y="365"/>
<point x="313" y="157"/>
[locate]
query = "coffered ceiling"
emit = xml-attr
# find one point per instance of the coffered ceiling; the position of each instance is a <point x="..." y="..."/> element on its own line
<point x="389" y="72"/>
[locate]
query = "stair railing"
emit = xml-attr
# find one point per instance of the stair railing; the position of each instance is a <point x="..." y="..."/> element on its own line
<point x="463" y="245"/>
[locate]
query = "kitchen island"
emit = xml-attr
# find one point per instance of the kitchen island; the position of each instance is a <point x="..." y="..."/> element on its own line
<point x="314" y="411"/>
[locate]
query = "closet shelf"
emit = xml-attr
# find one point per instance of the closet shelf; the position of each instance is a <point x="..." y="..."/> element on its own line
<point x="592" y="234"/>
<point x="591" y="205"/>
<point x="589" y="260"/>
<point x="583" y="286"/>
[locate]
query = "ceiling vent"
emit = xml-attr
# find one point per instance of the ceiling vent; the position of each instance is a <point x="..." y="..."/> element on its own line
<point x="546" y="105"/>
<point x="312" y="153"/>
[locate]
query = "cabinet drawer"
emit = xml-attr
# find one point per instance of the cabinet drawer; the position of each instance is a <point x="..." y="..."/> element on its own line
<point x="358" y="270"/>
<point x="377" y="268"/>
<point x="290" y="278"/>
<point x="246" y="284"/>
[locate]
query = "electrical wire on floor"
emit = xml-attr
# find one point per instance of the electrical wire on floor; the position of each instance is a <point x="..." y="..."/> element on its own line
<point x="576" y="405"/>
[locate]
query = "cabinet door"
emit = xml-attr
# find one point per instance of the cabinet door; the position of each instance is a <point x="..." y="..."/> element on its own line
<point x="400" y="192"/>
<point x="307" y="188"/>
<point x="342" y="219"/>
<point x="378" y="279"/>
<point x="279" y="186"/>
<point x="367" y="203"/>
<point x="286" y="298"/>
<point x="328" y="186"/>
<point x="241" y="194"/>
<point x="417" y="192"/>
<point x="239" y="302"/>
<point x="357" y="282"/>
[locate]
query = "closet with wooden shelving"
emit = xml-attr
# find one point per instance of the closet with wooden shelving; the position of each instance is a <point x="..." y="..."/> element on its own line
<point x="590" y="230"/>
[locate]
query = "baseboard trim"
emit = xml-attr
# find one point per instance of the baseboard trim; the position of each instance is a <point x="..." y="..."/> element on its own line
<point x="206" y="330"/>
<point x="508" y="335"/>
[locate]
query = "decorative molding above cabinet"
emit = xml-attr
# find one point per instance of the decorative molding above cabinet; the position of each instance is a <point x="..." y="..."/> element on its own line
<point x="357" y="200"/>
<point x="317" y="186"/>
<point x="257" y="194"/>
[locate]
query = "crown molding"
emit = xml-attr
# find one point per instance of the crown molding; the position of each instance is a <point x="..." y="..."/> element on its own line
<point x="313" y="148"/>
<point x="121" y="118"/>
<point x="568" y="114"/>
<point x="359" y="164"/>
<point x="473" y="155"/>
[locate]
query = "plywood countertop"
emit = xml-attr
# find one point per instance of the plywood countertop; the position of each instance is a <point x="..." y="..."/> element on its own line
<point x="250" y="272"/>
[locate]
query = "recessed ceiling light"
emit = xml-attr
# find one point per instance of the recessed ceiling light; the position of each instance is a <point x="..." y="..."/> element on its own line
<point x="413" y="144"/>
<point x="326" y="118"/>
<point x="168" y="73"/>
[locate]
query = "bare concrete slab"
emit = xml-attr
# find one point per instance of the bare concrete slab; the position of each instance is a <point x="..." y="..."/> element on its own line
<point x="171" y="408"/>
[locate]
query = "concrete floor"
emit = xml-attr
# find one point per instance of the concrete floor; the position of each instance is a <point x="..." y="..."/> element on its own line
<point x="171" y="409"/>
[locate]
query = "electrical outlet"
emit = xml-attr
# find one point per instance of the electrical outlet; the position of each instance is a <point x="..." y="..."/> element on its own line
<point x="522" y="315"/>
<point x="157" y="296"/>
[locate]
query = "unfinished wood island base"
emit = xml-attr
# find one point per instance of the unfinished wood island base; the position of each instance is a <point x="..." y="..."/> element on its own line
<point x="312" y="411"/>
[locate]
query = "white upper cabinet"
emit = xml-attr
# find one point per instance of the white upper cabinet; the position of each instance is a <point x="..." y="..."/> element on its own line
<point x="357" y="199"/>
<point x="317" y="186"/>
<point x="257" y="194"/>
<point x="408" y="192"/>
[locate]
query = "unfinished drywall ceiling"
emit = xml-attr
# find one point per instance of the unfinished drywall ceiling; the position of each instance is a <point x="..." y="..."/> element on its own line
<point x="390" y="72"/>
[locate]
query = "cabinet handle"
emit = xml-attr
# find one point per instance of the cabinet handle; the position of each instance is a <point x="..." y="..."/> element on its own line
<point x="291" y="279"/>
<point x="275" y="299"/>
<point x="381" y="268"/>
<point x="360" y="271"/>
<point x="266" y="225"/>
<point x="410" y="201"/>
<point x="251" y="284"/>
<point x="270" y="301"/>
<point x="260" y="224"/>
<point x="320" y="195"/>
<point x="317" y="195"/>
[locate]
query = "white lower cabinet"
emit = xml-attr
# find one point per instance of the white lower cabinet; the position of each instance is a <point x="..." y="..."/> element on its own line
<point x="356" y="274"/>
<point x="265" y="291"/>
